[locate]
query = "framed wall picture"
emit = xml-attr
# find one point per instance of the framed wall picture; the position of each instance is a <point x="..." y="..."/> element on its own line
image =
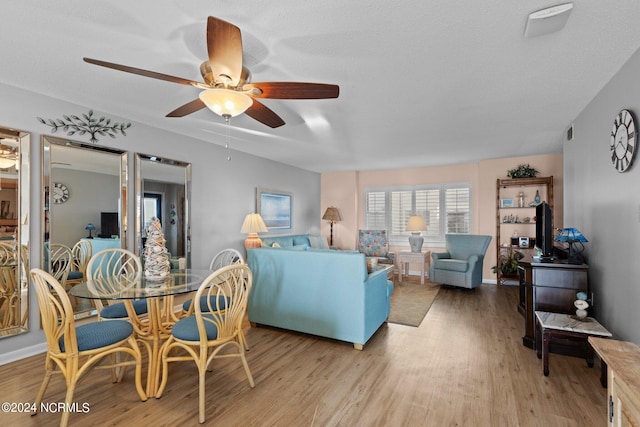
<point x="275" y="208"/>
<point x="507" y="203"/>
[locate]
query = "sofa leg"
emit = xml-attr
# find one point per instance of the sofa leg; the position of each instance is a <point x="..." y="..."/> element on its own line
<point x="253" y="324"/>
<point x="358" y="346"/>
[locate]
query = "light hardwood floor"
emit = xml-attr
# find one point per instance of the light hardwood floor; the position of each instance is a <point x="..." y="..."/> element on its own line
<point x="464" y="366"/>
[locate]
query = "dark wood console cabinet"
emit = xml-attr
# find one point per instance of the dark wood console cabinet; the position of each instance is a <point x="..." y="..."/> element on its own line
<point x="548" y="286"/>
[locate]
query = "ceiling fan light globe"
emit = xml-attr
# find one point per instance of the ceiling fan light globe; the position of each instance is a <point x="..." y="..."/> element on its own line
<point x="225" y="102"/>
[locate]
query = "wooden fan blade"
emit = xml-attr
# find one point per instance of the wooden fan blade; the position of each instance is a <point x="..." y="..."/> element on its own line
<point x="141" y="72"/>
<point x="293" y="90"/>
<point x="224" y="43"/>
<point x="188" y="108"/>
<point x="264" y="114"/>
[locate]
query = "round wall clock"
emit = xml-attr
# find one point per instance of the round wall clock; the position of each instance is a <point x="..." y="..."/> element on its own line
<point x="624" y="139"/>
<point x="60" y="193"/>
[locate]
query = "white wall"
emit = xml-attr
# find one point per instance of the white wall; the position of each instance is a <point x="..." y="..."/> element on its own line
<point x="223" y="191"/>
<point x="605" y="204"/>
<point x="89" y="194"/>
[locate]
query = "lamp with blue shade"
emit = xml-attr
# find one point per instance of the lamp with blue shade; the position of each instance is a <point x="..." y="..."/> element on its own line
<point x="572" y="236"/>
<point x="90" y="227"/>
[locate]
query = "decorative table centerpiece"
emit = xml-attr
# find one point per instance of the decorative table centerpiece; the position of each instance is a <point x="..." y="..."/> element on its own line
<point x="156" y="255"/>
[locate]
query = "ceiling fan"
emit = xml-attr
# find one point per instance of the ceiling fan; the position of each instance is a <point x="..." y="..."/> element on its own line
<point x="228" y="90"/>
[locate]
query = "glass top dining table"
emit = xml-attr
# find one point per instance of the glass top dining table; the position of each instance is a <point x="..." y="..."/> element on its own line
<point x="139" y="287"/>
<point x="161" y="316"/>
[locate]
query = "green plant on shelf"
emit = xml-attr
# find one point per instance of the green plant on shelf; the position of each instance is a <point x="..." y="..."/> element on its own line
<point x="523" y="171"/>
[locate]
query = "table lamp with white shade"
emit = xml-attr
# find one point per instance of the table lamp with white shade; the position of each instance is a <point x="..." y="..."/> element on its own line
<point x="416" y="225"/>
<point x="252" y="225"/>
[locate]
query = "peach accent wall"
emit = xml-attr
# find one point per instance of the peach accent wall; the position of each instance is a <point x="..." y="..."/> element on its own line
<point x="345" y="190"/>
<point x="340" y="189"/>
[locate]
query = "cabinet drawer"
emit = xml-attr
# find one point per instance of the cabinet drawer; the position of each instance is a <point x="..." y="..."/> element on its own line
<point x="555" y="300"/>
<point x="560" y="278"/>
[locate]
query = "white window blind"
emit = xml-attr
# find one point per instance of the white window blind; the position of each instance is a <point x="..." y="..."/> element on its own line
<point x="375" y="210"/>
<point x="445" y="209"/>
<point x="458" y="210"/>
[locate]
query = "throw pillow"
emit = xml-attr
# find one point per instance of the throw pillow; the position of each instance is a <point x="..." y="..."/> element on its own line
<point x="318" y="242"/>
<point x="299" y="247"/>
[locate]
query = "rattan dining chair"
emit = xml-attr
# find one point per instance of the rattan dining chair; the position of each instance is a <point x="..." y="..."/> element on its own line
<point x="226" y="257"/>
<point x="115" y="262"/>
<point x="80" y="255"/>
<point x="73" y="350"/>
<point x="60" y="258"/>
<point x="202" y="337"/>
<point x="9" y="289"/>
<point x="223" y="258"/>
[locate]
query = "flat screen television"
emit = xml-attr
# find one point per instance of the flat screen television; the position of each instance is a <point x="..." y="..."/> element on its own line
<point x="544" y="230"/>
<point x="109" y="224"/>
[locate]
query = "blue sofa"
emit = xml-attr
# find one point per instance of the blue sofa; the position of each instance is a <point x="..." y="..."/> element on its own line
<point x="461" y="264"/>
<point x="321" y="292"/>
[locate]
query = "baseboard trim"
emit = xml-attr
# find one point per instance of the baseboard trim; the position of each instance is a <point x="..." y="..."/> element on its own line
<point x="22" y="353"/>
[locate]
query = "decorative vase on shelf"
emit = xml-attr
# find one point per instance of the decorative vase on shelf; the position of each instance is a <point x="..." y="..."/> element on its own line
<point x="537" y="198"/>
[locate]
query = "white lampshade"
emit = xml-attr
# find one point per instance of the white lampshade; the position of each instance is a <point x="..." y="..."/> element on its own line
<point x="252" y="225"/>
<point x="226" y="102"/>
<point x="416" y="223"/>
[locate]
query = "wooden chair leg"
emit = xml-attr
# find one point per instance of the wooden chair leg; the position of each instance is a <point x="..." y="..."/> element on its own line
<point x="45" y="383"/>
<point x="201" y="381"/>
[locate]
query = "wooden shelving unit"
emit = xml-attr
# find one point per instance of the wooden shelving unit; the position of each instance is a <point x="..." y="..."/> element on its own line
<point x="508" y="189"/>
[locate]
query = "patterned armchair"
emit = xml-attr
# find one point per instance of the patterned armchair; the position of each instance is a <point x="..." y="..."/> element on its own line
<point x="374" y="243"/>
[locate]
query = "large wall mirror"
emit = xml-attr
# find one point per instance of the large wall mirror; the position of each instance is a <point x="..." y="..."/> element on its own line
<point x="85" y="200"/>
<point x="14" y="231"/>
<point x="163" y="190"/>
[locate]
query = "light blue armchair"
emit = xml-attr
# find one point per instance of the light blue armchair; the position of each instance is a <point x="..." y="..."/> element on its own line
<point x="461" y="264"/>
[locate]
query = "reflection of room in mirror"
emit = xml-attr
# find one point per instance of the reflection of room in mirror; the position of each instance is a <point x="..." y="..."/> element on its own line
<point x="14" y="234"/>
<point x="162" y="192"/>
<point x="92" y="174"/>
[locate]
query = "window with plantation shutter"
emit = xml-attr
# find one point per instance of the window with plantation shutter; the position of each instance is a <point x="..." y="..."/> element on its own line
<point x="445" y="208"/>
<point x="375" y="210"/>
<point x="458" y="210"/>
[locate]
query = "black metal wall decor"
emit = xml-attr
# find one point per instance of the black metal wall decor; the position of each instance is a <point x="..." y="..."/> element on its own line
<point x="87" y="124"/>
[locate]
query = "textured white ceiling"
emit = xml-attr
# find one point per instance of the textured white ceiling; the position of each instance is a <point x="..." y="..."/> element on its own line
<point x="421" y="82"/>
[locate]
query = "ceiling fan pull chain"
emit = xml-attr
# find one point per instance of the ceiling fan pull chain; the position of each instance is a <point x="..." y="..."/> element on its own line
<point x="227" y="136"/>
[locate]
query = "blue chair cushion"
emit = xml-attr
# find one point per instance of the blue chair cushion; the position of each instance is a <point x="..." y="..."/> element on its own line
<point x="100" y="334"/>
<point x="119" y="311"/>
<point x="452" y="265"/>
<point x="74" y="275"/>
<point x="222" y="303"/>
<point x="187" y="329"/>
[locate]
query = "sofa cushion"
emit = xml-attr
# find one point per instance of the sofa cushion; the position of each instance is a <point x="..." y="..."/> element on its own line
<point x="318" y="242"/>
<point x="301" y="239"/>
<point x="451" y="265"/>
<point x="282" y="241"/>
<point x="286" y="241"/>
<point x="299" y="247"/>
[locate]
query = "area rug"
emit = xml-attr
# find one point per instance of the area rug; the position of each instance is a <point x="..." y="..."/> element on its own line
<point x="411" y="301"/>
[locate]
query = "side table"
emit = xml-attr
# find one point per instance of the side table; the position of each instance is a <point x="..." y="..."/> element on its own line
<point x="565" y="326"/>
<point x="623" y="360"/>
<point x="406" y="257"/>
